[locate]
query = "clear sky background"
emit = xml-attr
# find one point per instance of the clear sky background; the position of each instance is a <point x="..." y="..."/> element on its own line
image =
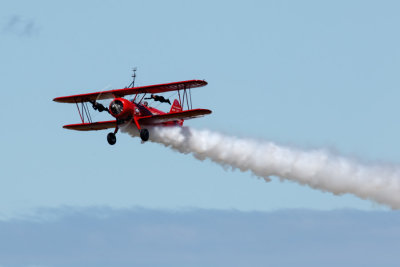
<point x="309" y="74"/>
<point x="104" y="237"/>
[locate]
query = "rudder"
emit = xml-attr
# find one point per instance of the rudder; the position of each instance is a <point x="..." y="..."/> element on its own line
<point x="176" y="107"/>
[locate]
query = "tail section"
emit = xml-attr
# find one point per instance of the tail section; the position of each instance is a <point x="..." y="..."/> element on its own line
<point x="176" y="107"/>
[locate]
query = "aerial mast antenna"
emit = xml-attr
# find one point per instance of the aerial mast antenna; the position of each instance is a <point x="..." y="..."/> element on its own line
<point x="133" y="78"/>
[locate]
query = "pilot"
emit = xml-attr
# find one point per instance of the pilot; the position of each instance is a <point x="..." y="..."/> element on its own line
<point x="159" y="99"/>
<point x="145" y="104"/>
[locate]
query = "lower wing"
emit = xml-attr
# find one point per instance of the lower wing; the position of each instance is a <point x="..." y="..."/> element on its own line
<point x="152" y="119"/>
<point x="94" y="126"/>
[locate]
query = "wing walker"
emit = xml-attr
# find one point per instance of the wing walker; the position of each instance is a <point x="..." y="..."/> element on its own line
<point x="136" y="110"/>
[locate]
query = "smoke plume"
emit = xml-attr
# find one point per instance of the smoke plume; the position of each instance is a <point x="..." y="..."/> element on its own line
<point x="318" y="169"/>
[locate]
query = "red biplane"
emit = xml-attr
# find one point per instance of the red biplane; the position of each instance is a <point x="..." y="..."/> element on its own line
<point x="136" y="110"/>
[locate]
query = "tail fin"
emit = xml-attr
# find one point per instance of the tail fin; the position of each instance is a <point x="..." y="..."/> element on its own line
<point x="176" y="107"/>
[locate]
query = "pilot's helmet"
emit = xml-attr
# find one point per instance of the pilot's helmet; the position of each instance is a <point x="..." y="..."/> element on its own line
<point x="145" y="103"/>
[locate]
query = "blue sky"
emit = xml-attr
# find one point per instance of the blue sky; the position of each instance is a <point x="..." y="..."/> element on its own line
<point x="307" y="74"/>
<point x="104" y="237"/>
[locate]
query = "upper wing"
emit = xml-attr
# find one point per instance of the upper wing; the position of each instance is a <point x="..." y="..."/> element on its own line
<point x="151" y="89"/>
<point x="94" y="126"/>
<point x="182" y="115"/>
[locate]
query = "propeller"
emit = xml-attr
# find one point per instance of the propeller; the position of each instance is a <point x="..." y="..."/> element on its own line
<point x="99" y="106"/>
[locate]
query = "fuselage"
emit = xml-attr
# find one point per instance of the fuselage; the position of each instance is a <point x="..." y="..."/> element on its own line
<point x="124" y="110"/>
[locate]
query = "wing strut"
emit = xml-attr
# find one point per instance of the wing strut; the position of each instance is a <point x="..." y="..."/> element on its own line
<point x="84" y="112"/>
<point x="187" y="93"/>
<point x="79" y="111"/>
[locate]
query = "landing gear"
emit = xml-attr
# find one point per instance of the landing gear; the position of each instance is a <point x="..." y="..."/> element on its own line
<point x="111" y="138"/>
<point x="144" y="134"/>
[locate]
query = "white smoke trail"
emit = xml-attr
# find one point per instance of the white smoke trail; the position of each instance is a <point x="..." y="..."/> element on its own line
<point x="317" y="168"/>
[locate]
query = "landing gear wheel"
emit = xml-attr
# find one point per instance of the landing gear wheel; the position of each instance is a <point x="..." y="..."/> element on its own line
<point x="144" y="134"/>
<point x="111" y="138"/>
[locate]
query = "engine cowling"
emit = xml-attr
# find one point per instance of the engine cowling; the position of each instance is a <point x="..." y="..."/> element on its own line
<point x="122" y="108"/>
